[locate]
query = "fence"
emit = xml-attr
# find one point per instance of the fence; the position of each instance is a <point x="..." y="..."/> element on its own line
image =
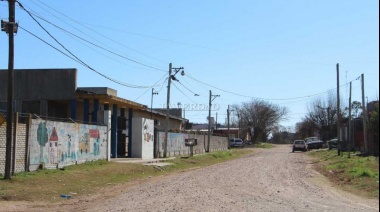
<point x="52" y="144"/>
<point x="176" y="143"/>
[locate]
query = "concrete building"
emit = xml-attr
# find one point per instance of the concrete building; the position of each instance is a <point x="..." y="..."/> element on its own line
<point x="53" y="94"/>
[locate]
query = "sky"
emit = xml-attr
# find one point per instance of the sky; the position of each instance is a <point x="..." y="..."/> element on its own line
<point x="282" y="51"/>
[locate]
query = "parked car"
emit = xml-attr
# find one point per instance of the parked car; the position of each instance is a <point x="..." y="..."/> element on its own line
<point x="299" y="145"/>
<point x="248" y="142"/>
<point x="236" y="142"/>
<point x="332" y="144"/>
<point x="313" y="143"/>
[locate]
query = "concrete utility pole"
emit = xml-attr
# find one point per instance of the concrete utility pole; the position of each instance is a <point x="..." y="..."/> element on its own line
<point x="167" y="111"/>
<point x="228" y="125"/>
<point x="171" y="77"/>
<point x="338" y="108"/>
<point x="10" y="30"/>
<point x="151" y="103"/>
<point x="212" y="97"/>
<point x="364" y="118"/>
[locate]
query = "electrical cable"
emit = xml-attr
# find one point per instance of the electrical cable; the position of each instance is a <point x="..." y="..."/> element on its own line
<point x="91" y="29"/>
<point x="79" y="60"/>
<point x="114" y="53"/>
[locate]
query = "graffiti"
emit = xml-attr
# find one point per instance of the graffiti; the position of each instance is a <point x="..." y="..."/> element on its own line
<point x="176" y="141"/>
<point x="148" y="130"/>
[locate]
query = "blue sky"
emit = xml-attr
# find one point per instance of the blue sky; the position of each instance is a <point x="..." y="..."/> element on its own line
<point x="270" y="49"/>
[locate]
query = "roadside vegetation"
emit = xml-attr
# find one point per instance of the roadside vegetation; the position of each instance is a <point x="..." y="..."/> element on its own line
<point x="357" y="174"/>
<point x="90" y="178"/>
<point x="264" y="145"/>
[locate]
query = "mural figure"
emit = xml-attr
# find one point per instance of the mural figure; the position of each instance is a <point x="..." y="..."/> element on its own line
<point x="53" y="148"/>
<point x="84" y="143"/>
<point x="42" y="138"/>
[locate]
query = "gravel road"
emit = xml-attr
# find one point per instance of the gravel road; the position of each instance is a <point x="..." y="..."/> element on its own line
<point x="269" y="180"/>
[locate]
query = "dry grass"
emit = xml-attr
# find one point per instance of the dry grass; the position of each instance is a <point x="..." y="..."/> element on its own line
<point x="89" y="178"/>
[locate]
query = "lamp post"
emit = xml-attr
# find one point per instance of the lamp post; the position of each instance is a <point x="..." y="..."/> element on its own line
<point x="151" y="103"/>
<point x="212" y="98"/>
<point x="171" y="77"/>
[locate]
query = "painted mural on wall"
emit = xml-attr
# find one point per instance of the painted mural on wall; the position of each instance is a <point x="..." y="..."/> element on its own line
<point x="54" y="143"/>
<point x="148" y="130"/>
<point x="176" y="141"/>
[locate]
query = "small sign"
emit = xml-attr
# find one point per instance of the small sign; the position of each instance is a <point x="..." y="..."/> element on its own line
<point x="191" y="142"/>
<point x="2" y="119"/>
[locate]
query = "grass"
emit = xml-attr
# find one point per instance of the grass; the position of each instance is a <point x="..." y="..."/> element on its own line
<point x="356" y="174"/>
<point x="264" y="145"/>
<point x="89" y="178"/>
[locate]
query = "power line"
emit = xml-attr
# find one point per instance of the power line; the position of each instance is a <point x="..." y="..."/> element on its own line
<point x="109" y="51"/>
<point x="268" y="99"/>
<point x="183" y="93"/>
<point x="79" y="60"/>
<point x="90" y="29"/>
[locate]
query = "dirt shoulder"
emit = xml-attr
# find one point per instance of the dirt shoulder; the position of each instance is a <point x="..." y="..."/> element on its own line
<point x="268" y="180"/>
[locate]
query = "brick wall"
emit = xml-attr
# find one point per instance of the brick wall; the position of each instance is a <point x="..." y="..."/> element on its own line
<point x="20" y="148"/>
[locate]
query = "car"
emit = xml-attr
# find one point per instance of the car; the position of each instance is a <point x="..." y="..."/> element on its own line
<point x="332" y="144"/>
<point x="313" y="143"/>
<point x="248" y="142"/>
<point x="299" y="145"/>
<point x="236" y="142"/>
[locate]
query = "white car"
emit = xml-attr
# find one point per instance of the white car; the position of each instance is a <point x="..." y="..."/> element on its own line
<point x="299" y="145"/>
<point x="236" y="142"/>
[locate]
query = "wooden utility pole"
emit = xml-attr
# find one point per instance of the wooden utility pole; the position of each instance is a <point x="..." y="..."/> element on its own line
<point x="338" y="109"/>
<point x="349" y="122"/>
<point x="364" y="118"/>
<point x="10" y="30"/>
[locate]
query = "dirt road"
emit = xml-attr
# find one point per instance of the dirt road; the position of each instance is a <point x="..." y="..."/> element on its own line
<point x="269" y="180"/>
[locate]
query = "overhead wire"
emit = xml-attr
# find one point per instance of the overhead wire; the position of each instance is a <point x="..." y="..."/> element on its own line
<point x="91" y="29"/>
<point x="96" y="45"/>
<point x="153" y="86"/>
<point x="78" y="59"/>
<point x="268" y="99"/>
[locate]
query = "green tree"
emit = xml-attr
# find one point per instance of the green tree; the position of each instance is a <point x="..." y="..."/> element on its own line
<point x="42" y="138"/>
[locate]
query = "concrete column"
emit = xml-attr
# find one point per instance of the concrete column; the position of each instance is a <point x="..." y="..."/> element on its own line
<point x="86" y="111"/>
<point x="114" y="131"/>
<point x="73" y="109"/>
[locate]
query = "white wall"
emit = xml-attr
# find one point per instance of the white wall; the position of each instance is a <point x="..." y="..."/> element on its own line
<point x="142" y="138"/>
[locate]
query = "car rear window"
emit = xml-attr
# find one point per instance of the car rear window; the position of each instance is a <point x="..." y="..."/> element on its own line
<point x="298" y="142"/>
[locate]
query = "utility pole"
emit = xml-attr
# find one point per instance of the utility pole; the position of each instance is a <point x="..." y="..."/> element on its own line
<point x="349" y="122"/>
<point x="167" y="111"/>
<point x="228" y="125"/>
<point x="364" y="118"/>
<point x="151" y="103"/>
<point x="338" y="109"/>
<point x="216" y="122"/>
<point x="212" y="97"/>
<point x="10" y="30"/>
<point x="171" y="77"/>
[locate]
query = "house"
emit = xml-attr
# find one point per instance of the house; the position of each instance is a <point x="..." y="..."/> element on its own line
<point x="53" y="94"/>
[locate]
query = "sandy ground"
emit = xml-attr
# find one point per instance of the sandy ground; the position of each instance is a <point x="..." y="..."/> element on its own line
<point x="269" y="180"/>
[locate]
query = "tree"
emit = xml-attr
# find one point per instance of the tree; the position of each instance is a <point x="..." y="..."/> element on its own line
<point x="260" y="118"/>
<point x="42" y="138"/>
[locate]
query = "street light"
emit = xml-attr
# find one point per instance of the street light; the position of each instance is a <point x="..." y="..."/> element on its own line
<point x="171" y="77"/>
<point x="212" y="98"/>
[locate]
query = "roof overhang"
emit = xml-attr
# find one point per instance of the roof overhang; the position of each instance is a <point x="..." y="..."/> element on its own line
<point x="111" y="100"/>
